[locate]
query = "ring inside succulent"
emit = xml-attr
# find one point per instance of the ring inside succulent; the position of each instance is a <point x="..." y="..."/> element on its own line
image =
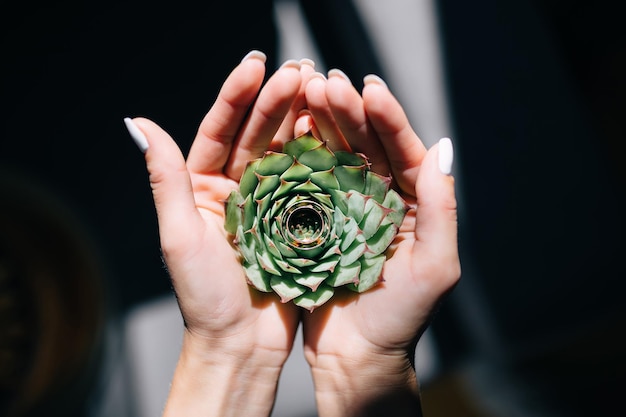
<point x="309" y="220"/>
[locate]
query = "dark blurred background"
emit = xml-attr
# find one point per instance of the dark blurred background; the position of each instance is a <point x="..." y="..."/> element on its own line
<point x="536" y="98"/>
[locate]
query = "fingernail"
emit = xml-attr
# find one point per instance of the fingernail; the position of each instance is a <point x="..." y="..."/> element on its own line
<point x="374" y="79"/>
<point x="136" y="134"/>
<point x="291" y="63"/>
<point x="254" y="54"/>
<point x="317" y="75"/>
<point x="338" y="73"/>
<point x="307" y="61"/>
<point x="446" y="156"/>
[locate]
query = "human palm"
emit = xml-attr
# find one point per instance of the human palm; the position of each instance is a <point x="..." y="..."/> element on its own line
<point x="217" y="305"/>
<point x="422" y="263"/>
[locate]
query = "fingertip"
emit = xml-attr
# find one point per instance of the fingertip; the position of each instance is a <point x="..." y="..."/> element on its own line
<point x="307" y="62"/>
<point x="445" y="155"/>
<point x="373" y="79"/>
<point x="436" y="220"/>
<point x="303" y="123"/>
<point x="290" y="63"/>
<point x="255" y="54"/>
<point x="136" y="134"/>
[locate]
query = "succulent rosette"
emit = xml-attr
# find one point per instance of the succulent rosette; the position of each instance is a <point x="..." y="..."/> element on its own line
<point x="309" y="220"/>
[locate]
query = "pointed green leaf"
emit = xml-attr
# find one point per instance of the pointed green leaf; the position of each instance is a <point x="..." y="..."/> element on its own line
<point x="247" y="246"/>
<point x="323" y="199"/>
<point x="285" y="250"/>
<point x="310" y="253"/>
<point x="257" y="278"/>
<point x="312" y="300"/>
<point x="325" y="179"/>
<point x="343" y="275"/>
<point x="351" y="178"/>
<point x="277" y="205"/>
<point x="233" y="212"/>
<point x="311" y="280"/>
<point x="339" y="220"/>
<point x="319" y="159"/>
<point x="376" y="186"/>
<point x="381" y="240"/>
<point x="274" y="163"/>
<point x="356" y="206"/>
<point x="263" y="205"/>
<point x="340" y="200"/>
<point x="301" y="262"/>
<point x="307" y="187"/>
<point x="350" y="230"/>
<point x="287" y="267"/>
<point x="272" y="248"/>
<point x="267" y="184"/>
<point x="351" y="159"/>
<point x="249" y="211"/>
<point x="374" y="215"/>
<point x="371" y="273"/>
<point x="332" y="251"/>
<point x="354" y="252"/>
<point x="266" y="263"/>
<point x="297" y="172"/>
<point x="287" y="289"/>
<point x="326" y="265"/>
<point x="249" y="180"/>
<point x="284" y="188"/>
<point x="301" y="144"/>
<point x="398" y="205"/>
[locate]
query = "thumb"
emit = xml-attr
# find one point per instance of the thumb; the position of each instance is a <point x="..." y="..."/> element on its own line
<point x="169" y="178"/>
<point x="436" y="222"/>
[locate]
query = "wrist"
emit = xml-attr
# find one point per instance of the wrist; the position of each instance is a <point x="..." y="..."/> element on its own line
<point x="223" y="382"/>
<point x="369" y="385"/>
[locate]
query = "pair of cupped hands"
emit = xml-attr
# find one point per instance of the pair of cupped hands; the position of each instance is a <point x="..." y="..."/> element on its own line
<point x="237" y="339"/>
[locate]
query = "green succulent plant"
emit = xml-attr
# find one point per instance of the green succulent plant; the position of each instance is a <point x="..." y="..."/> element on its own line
<point x="309" y="220"/>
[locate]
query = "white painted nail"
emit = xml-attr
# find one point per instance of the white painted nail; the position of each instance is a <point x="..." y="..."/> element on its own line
<point x="307" y="61"/>
<point x="317" y="75"/>
<point x="292" y="63"/>
<point x="255" y="55"/>
<point x="339" y="73"/>
<point x="136" y="134"/>
<point x="374" y="79"/>
<point x="446" y="156"/>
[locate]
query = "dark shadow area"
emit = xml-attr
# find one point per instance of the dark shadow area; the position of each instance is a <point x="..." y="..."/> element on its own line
<point x="71" y="71"/>
<point x="536" y="90"/>
<point x="53" y="301"/>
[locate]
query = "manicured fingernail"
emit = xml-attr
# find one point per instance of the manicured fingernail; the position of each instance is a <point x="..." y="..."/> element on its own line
<point x="254" y="54"/>
<point x="446" y="156"/>
<point x="374" y="79"/>
<point x="317" y="75"/>
<point x="338" y="73"/>
<point x="291" y="63"/>
<point x="307" y="61"/>
<point x="136" y="134"/>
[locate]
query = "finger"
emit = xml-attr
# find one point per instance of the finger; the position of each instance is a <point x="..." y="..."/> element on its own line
<point x="266" y="116"/>
<point x="214" y="140"/>
<point x="436" y="221"/>
<point x="322" y="115"/>
<point x="304" y="124"/>
<point x="169" y="180"/>
<point x="286" y="130"/>
<point x="347" y="107"/>
<point x="403" y="148"/>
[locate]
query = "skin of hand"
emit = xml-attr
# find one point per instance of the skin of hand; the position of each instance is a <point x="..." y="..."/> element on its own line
<point x="360" y="346"/>
<point x="236" y="339"/>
